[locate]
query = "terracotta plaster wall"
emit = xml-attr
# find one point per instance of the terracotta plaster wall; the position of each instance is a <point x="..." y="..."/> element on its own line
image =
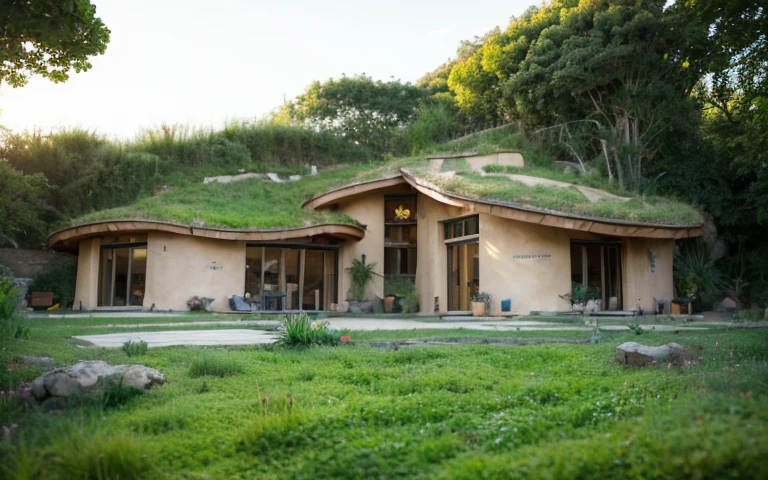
<point x="180" y="266"/>
<point x="531" y="282"/>
<point x="368" y="210"/>
<point x="87" y="283"/>
<point x="641" y="285"/>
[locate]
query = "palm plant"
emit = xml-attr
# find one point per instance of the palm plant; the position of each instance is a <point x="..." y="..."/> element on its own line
<point x="362" y="274"/>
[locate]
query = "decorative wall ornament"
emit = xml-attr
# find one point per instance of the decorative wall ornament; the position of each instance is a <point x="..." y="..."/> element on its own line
<point x="652" y="260"/>
<point x="402" y="213"/>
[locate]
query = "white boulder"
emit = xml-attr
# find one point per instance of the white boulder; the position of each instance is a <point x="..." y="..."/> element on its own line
<point x="86" y="375"/>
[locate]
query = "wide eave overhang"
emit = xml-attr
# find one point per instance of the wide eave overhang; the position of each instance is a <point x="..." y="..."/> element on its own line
<point x="68" y="238"/>
<point x="522" y="213"/>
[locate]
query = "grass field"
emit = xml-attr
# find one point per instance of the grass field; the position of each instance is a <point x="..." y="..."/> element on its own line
<point x="456" y="411"/>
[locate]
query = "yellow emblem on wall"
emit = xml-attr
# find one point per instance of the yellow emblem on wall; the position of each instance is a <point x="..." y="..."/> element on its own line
<point x="402" y="213"/>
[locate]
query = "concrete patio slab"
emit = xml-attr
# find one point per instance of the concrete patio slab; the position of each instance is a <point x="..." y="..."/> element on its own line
<point x="183" y="337"/>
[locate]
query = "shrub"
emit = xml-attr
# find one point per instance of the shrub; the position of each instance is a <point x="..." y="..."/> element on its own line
<point x="409" y="303"/>
<point x="297" y="330"/>
<point x="135" y="349"/>
<point x="752" y="315"/>
<point x="214" y="366"/>
<point x="60" y="280"/>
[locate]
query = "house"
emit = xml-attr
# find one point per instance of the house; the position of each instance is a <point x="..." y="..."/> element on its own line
<point x="453" y="232"/>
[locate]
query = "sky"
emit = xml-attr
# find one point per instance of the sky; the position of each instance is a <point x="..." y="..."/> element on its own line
<point x="201" y="63"/>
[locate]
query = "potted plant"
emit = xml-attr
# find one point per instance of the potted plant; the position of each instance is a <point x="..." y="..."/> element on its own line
<point x="362" y="275"/>
<point x="481" y="303"/>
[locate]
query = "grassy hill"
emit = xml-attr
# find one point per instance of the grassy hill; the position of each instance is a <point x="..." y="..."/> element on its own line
<point x="264" y="205"/>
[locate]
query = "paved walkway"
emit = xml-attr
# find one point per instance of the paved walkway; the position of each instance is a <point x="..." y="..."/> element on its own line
<point x="184" y="337"/>
<point x="253" y="336"/>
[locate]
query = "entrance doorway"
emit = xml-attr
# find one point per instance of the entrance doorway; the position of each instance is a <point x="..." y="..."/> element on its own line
<point x="596" y="265"/>
<point x="291" y="277"/>
<point x="463" y="274"/>
<point x="122" y="275"/>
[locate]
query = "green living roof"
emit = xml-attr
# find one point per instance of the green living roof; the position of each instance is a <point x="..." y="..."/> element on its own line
<point x="569" y="200"/>
<point x="257" y="204"/>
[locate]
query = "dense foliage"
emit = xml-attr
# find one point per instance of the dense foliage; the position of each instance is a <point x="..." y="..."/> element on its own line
<point x="48" y="38"/>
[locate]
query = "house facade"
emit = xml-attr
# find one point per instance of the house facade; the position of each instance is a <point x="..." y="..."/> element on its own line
<point x="451" y="247"/>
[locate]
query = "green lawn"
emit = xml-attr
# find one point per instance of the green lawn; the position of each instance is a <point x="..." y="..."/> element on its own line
<point x="457" y="411"/>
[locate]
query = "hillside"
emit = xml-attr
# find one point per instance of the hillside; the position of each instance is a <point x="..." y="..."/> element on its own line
<point x="258" y="204"/>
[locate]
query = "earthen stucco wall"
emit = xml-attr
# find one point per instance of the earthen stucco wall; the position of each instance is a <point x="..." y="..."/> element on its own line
<point x="431" y="272"/>
<point x="180" y="266"/>
<point x="529" y="264"/>
<point x="368" y="210"/>
<point x="641" y="285"/>
<point x="87" y="284"/>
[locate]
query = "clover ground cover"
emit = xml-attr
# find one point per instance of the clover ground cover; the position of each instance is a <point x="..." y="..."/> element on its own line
<point x="551" y="410"/>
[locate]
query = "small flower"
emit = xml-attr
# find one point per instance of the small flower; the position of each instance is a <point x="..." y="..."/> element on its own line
<point x="345" y="339"/>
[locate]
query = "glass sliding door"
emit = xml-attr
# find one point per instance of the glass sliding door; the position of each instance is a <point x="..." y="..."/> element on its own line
<point x="291" y="278"/>
<point x="597" y="266"/>
<point x="313" y="291"/>
<point x="122" y="275"/>
<point x="463" y="274"/>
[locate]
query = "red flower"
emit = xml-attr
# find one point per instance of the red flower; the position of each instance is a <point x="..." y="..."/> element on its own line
<point x="345" y="338"/>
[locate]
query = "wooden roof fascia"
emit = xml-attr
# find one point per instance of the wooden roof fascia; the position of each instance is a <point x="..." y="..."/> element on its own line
<point x="68" y="238"/>
<point x="621" y="228"/>
<point x="346" y="191"/>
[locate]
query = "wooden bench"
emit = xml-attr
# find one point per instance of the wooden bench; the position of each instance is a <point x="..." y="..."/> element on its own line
<point x="41" y="299"/>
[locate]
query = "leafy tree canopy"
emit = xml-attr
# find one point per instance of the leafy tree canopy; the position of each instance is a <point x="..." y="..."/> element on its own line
<point x="359" y="108"/>
<point x="48" y="38"/>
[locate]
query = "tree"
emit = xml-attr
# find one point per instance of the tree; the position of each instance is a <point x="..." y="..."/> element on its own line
<point x="48" y="38"/>
<point x="20" y="206"/>
<point x="362" y="110"/>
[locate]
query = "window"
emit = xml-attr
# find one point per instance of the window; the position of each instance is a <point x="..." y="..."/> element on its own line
<point x="122" y="275"/>
<point x="400" y="234"/>
<point x="462" y="227"/>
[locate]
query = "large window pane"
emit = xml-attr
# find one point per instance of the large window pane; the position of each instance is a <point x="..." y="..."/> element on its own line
<point x="138" y="276"/>
<point x="313" y="291"/>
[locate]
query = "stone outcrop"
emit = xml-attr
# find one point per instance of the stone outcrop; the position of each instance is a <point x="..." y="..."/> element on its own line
<point x="633" y="354"/>
<point x="86" y="376"/>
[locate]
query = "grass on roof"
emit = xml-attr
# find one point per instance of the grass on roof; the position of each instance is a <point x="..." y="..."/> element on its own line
<point x="567" y="200"/>
<point x="262" y="205"/>
<point x="248" y="204"/>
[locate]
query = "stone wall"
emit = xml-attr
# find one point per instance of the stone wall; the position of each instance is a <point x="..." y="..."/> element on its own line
<point x="27" y="263"/>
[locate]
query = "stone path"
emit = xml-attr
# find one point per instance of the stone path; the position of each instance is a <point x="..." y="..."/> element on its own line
<point x="253" y="337"/>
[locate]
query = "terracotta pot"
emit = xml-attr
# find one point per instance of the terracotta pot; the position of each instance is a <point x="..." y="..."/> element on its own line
<point x="478" y="309"/>
<point x="388" y="302"/>
<point x="675" y="308"/>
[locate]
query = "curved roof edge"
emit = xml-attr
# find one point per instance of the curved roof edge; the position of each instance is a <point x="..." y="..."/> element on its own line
<point x="525" y="213"/>
<point x="68" y="237"/>
<point x="332" y="196"/>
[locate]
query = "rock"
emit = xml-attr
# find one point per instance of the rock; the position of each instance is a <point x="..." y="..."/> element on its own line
<point x="360" y="307"/>
<point x="230" y="178"/>
<point x="294" y="178"/>
<point x="726" y="304"/>
<point x="313" y="170"/>
<point x="86" y="376"/>
<point x="274" y="178"/>
<point x="341" y="307"/>
<point x="633" y="354"/>
<point x="591" y="306"/>
<point x="42" y="361"/>
<point x="139" y="376"/>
